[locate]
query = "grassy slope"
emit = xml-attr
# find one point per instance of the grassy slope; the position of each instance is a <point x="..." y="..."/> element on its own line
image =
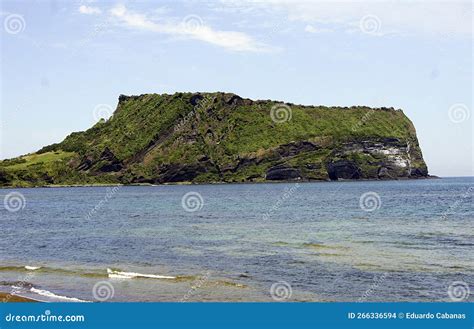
<point x="185" y="132"/>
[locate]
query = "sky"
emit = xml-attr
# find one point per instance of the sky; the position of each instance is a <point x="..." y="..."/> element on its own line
<point x="64" y="63"/>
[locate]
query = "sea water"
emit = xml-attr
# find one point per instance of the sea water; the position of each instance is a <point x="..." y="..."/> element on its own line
<point x="407" y="240"/>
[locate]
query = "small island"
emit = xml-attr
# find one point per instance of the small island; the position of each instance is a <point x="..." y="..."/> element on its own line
<point x="223" y="138"/>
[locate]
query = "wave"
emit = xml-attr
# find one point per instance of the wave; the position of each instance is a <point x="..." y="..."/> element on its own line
<point x="78" y="272"/>
<point x="49" y="294"/>
<point x="21" y="288"/>
<point x="313" y="245"/>
<point x="12" y="268"/>
<point x="32" y="268"/>
<point x="113" y="274"/>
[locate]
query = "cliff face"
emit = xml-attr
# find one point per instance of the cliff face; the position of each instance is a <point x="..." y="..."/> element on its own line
<point x="220" y="137"/>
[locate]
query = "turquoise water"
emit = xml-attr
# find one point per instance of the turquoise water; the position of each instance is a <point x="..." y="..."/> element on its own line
<point x="319" y="238"/>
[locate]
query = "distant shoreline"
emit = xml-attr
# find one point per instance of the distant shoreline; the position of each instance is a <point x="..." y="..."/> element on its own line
<point x="226" y="183"/>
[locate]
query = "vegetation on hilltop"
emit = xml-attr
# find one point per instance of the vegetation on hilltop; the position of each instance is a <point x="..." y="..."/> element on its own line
<point x="220" y="137"/>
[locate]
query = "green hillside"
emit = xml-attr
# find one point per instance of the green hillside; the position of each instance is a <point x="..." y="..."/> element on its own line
<point x="220" y="137"/>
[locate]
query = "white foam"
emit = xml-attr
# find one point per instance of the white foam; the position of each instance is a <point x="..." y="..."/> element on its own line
<point x="49" y="294"/>
<point x="131" y="275"/>
<point x="32" y="268"/>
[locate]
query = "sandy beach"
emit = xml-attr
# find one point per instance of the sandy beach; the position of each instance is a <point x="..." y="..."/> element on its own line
<point x="9" y="298"/>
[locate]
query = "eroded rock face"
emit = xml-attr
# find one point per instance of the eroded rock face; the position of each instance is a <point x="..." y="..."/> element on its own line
<point x="387" y="158"/>
<point x="419" y="172"/>
<point x="86" y="163"/>
<point x="111" y="163"/>
<point x="107" y="162"/>
<point x="3" y="177"/>
<point x="180" y="173"/>
<point x="295" y="148"/>
<point x="343" y="169"/>
<point x="282" y="173"/>
<point x="221" y="137"/>
<point x="195" y="99"/>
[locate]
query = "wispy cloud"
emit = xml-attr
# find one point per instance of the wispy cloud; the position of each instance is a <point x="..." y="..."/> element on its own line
<point x="192" y="27"/>
<point x="448" y="18"/>
<point x="88" y="10"/>
<point x="313" y="29"/>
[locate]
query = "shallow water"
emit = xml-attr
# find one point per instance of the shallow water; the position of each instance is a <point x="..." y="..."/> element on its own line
<point x="241" y="239"/>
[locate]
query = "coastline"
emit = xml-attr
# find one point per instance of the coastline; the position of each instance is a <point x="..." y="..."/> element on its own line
<point x="11" y="298"/>
<point x="226" y="183"/>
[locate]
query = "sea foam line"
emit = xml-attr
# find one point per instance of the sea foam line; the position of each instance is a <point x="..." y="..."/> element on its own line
<point x="32" y="268"/>
<point x="131" y="275"/>
<point x="47" y="293"/>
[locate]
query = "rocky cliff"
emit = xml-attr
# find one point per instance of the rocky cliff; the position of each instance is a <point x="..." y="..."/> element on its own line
<point x="221" y="137"/>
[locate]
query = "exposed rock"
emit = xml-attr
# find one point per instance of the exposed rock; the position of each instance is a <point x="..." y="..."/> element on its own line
<point x="203" y="158"/>
<point x="282" y="173"/>
<point x="343" y="169"/>
<point x="110" y="162"/>
<point x="384" y="173"/>
<point x="107" y="162"/>
<point x="86" y="163"/>
<point x="195" y="99"/>
<point x="180" y="173"/>
<point x="232" y="99"/>
<point x="313" y="166"/>
<point x="221" y="137"/>
<point x="419" y="172"/>
<point x="3" y="177"/>
<point x="383" y="158"/>
<point x="123" y="98"/>
<point x="47" y="178"/>
<point x="295" y="148"/>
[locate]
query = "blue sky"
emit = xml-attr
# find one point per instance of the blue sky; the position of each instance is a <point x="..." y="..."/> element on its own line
<point x="64" y="63"/>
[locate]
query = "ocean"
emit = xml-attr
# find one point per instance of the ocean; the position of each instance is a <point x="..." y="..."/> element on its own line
<point x="407" y="240"/>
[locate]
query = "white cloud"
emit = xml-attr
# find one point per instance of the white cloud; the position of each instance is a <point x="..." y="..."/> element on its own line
<point x="191" y="27"/>
<point x="423" y="17"/>
<point x="88" y="10"/>
<point x="313" y="29"/>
